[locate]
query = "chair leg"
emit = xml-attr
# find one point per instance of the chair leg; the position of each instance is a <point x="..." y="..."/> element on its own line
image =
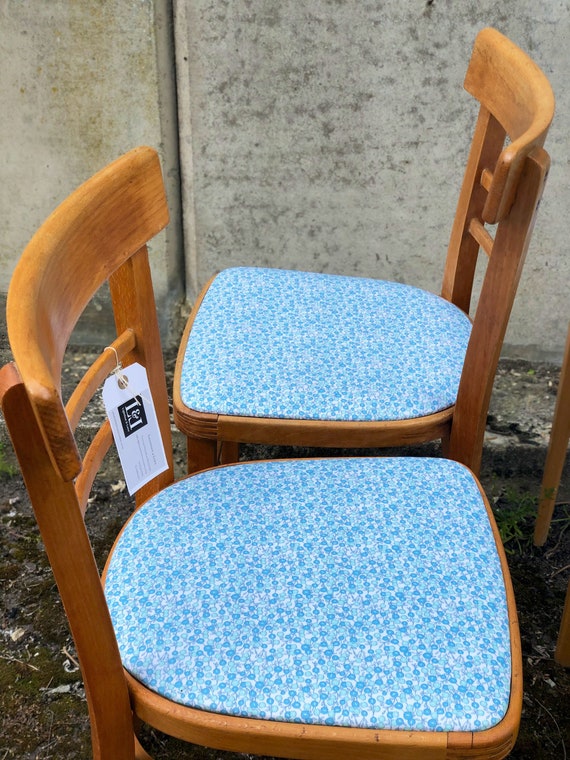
<point x="228" y="452"/>
<point x="556" y="452"/>
<point x="202" y="453"/>
<point x="562" y="653"/>
<point x="445" y="440"/>
<point x="140" y="752"/>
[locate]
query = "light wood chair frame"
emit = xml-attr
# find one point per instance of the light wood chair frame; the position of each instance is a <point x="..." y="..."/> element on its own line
<point x="100" y="233"/>
<point x="516" y="109"/>
<point x="554" y="465"/>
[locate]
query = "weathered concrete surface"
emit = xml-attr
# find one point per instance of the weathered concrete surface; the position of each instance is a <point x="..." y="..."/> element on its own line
<point x="328" y="135"/>
<point x="332" y="136"/>
<point x="82" y="83"/>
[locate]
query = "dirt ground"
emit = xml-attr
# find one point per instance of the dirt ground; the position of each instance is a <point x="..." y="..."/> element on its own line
<point x="43" y="713"/>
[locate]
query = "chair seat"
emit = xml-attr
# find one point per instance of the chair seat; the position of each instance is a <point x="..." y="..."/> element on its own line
<point x="355" y="592"/>
<point x="297" y="345"/>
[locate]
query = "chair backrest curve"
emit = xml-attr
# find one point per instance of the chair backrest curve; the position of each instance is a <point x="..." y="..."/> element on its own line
<point x="516" y="110"/>
<point x="514" y="89"/>
<point x="88" y="237"/>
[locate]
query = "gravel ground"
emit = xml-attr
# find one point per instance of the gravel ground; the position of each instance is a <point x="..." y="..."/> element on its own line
<point x="43" y="712"/>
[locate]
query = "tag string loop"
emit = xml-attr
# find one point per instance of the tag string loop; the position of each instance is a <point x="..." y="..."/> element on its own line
<point x="122" y="379"/>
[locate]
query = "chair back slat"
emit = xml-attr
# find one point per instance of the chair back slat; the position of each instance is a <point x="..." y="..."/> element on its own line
<point x="463" y="250"/>
<point x="91" y="381"/>
<point x="516" y="110"/>
<point x="482" y="237"/>
<point x="518" y="94"/>
<point x="493" y="311"/>
<point x="132" y="294"/>
<point x="116" y="212"/>
<point x="92" y="460"/>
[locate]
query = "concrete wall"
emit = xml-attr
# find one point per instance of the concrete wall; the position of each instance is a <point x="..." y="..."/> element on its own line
<point x="328" y="135"/>
<point x="332" y="136"/>
<point x="81" y="83"/>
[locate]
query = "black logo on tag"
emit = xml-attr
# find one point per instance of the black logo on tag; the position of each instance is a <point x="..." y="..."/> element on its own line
<point x="132" y="415"/>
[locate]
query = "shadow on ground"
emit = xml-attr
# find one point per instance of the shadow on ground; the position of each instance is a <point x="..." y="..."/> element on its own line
<point x="43" y="713"/>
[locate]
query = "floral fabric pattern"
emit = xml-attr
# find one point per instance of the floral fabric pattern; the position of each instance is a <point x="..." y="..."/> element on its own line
<point x="299" y="345"/>
<point x="355" y="592"/>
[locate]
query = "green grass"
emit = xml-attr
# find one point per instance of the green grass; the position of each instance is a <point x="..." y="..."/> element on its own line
<point x="515" y="515"/>
<point x="6" y="469"/>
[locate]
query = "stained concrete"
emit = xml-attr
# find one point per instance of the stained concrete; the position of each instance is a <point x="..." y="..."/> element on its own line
<point x="332" y="135"/>
<point x="328" y="135"/>
<point x="82" y="83"/>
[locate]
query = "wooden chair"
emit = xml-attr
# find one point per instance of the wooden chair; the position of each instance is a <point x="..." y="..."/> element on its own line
<point x="557" y="447"/>
<point x="306" y="608"/>
<point x="297" y="358"/>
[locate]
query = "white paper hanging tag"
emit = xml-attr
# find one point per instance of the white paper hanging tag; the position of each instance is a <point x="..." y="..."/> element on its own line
<point x="130" y="409"/>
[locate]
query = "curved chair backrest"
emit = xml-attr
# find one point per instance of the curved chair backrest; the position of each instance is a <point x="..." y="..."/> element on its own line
<point x="502" y="187"/>
<point x="98" y="233"/>
<point x="86" y="239"/>
<point x="516" y="110"/>
<point x="518" y="95"/>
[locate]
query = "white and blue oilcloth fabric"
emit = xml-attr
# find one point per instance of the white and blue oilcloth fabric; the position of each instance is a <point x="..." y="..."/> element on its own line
<point x="298" y="345"/>
<point x="353" y="592"/>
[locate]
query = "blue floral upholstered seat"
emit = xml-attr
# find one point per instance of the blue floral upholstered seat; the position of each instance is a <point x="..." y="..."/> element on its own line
<point x="350" y="592"/>
<point x="298" y="345"/>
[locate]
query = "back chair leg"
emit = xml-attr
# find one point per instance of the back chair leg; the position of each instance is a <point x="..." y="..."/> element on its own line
<point x="202" y="454"/>
<point x="228" y="452"/>
<point x="556" y="452"/>
<point x="555" y="457"/>
<point x="562" y="653"/>
<point x="445" y="440"/>
<point x="140" y="752"/>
